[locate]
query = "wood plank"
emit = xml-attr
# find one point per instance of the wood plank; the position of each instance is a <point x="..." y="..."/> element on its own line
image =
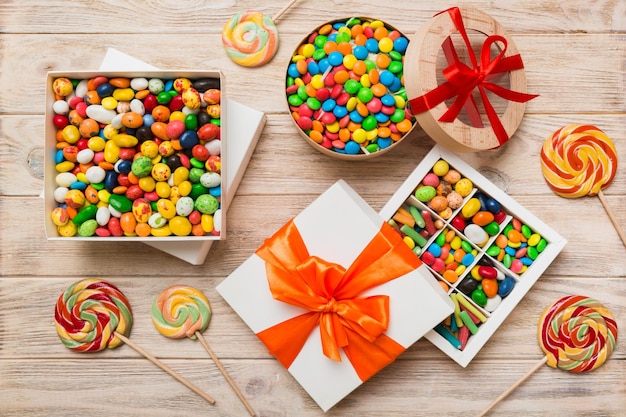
<point x="566" y="83"/>
<point x="190" y="17"/>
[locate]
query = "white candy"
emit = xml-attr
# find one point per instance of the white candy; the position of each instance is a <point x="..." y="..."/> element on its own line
<point x="59" y="194"/>
<point x="103" y="215"/>
<point x="61" y="107"/>
<point x="114" y="212"/>
<point x="184" y="206"/>
<point x="116" y="121"/>
<point x="85" y="156"/>
<point x="139" y="84"/>
<point x="157" y="220"/>
<point x="476" y="234"/>
<point x="100" y="114"/>
<point x="217" y="220"/>
<point x="95" y="174"/>
<point x="214" y="147"/>
<point x="65" y="179"/>
<point x="81" y="89"/>
<point x="210" y="179"/>
<point x="137" y="106"/>
<point x="493" y="303"/>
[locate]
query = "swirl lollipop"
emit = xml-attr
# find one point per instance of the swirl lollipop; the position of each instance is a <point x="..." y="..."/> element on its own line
<point x="183" y="311"/>
<point x="577" y="334"/>
<point x="579" y="160"/>
<point x="250" y="38"/>
<point x="92" y="315"/>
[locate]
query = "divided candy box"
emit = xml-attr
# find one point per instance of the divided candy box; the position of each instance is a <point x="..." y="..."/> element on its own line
<point x="483" y="247"/>
<point x="135" y="155"/>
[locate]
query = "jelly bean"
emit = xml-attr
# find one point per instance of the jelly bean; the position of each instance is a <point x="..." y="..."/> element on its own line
<point x="482" y="218"/>
<point x="87" y="213"/>
<point x="492" y="228"/>
<point x="479" y="297"/>
<point x="476" y="234"/>
<point x="493" y="303"/>
<point x="470" y="208"/>
<point x="425" y="194"/>
<point x="467" y="286"/>
<point x="87" y="228"/>
<point x="490" y="287"/>
<point x="506" y="286"/>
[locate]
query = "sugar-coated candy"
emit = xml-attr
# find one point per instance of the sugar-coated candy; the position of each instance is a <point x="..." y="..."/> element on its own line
<point x="120" y="141"/>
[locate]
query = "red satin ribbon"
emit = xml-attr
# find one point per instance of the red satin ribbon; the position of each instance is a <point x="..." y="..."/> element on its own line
<point x="330" y="293"/>
<point x="463" y="79"/>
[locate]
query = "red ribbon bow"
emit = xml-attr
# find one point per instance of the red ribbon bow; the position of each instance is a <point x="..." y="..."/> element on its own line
<point x="463" y="79"/>
<point x="330" y="293"/>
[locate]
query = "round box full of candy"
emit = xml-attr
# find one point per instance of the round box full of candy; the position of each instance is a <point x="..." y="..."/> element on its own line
<point x="345" y="88"/>
<point x="134" y="156"/>
<point x="477" y="250"/>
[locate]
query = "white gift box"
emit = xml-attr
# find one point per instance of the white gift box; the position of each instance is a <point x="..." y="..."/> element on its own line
<point x="416" y="301"/>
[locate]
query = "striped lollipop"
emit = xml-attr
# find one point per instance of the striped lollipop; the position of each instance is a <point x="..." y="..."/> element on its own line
<point x="577" y="334"/>
<point x="183" y="311"/>
<point x="579" y="160"/>
<point x="93" y="314"/>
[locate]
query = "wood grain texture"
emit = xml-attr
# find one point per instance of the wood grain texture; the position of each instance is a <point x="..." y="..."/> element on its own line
<point x="575" y="57"/>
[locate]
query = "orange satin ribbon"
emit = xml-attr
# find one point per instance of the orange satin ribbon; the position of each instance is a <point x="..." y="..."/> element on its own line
<point x="330" y="293"/>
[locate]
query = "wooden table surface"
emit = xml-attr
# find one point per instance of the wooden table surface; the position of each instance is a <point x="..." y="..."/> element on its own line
<point x="575" y="54"/>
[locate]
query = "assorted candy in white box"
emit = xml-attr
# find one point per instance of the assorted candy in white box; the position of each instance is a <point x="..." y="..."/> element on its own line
<point x="485" y="249"/>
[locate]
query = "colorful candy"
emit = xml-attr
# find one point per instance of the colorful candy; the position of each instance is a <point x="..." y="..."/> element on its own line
<point x="183" y="311"/>
<point x="250" y="38"/>
<point x="577" y="334"/>
<point x="578" y="160"/>
<point x="91" y="314"/>
<point x="345" y="87"/>
<point x="122" y="140"/>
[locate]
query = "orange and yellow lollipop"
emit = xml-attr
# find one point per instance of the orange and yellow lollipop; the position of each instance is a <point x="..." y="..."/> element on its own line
<point x="579" y="160"/>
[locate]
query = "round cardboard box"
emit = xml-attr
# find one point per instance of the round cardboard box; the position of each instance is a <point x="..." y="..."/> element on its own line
<point x="363" y="152"/>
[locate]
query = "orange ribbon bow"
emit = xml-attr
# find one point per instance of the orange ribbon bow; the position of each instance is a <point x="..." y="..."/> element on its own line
<point x="330" y="293"/>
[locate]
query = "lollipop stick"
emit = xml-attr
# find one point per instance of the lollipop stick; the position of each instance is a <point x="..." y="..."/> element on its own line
<point x="515" y="385"/>
<point x="619" y="230"/>
<point x="225" y="373"/>
<point x="166" y="368"/>
<point x="283" y="10"/>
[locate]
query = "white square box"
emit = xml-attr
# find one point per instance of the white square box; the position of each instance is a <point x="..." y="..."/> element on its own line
<point x="416" y="301"/>
<point x="50" y="150"/>
<point x="404" y="196"/>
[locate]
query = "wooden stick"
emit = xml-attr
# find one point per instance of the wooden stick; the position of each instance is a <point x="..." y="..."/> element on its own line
<point x="284" y="9"/>
<point x="225" y="373"/>
<point x="518" y="383"/>
<point x="166" y="368"/>
<point x="608" y="210"/>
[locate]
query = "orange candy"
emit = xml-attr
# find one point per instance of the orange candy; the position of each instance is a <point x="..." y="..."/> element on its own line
<point x="490" y="287"/>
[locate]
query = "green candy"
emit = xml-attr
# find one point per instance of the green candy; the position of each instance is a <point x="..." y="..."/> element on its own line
<point x="479" y="297"/>
<point x="369" y="123"/>
<point x="88" y="228"/>
<point x="493" y="251"/>
<point x="85" y="214"/>
<point x="120" y="203"/>
<point x="207" y="204"/>
<point x="191" y="122"/>
<point x="425" y="193"/>
<point x="492" y="228"/>
<point x="142" y="166"/>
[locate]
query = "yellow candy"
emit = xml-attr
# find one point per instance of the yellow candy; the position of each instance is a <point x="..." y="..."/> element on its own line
<point x="103" y="196"/>
<point x="166" y="208"/>
<point x="180" y="174"/>
<point x="147" y="184"/>
<point x="68" y="230"/>
<point x="161" y="231"/>
<point x="359" y="135"/>
<point x="181" y="84"/>
<point x="180" y="226"/>
<point x="111" y="152"/>
<point x="161" y="172"/>
<point x="177" y="115"/>
<point x="150" y="149"/>
<point x="125" y="141"/>
<point x="184" y="188"/>
<point x="96" y="143"/>
<point x="109" y="103"/>
<point x="71" y="134"/>
<point x="123" y="94"/>
<point x="191" y="98"/>
<point x="385" y="45"/>
<point x="207" y="223"/>
<point x="65" y="166"/>
<point x="163" y="189"/>
<point x="441" y="168"/>
<point x="349" y="61"/>
<point x="59" y="216"/>
<point x="62" y="86"/>
<point x="463" y="187"/>
<point x="308" y="50"/>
